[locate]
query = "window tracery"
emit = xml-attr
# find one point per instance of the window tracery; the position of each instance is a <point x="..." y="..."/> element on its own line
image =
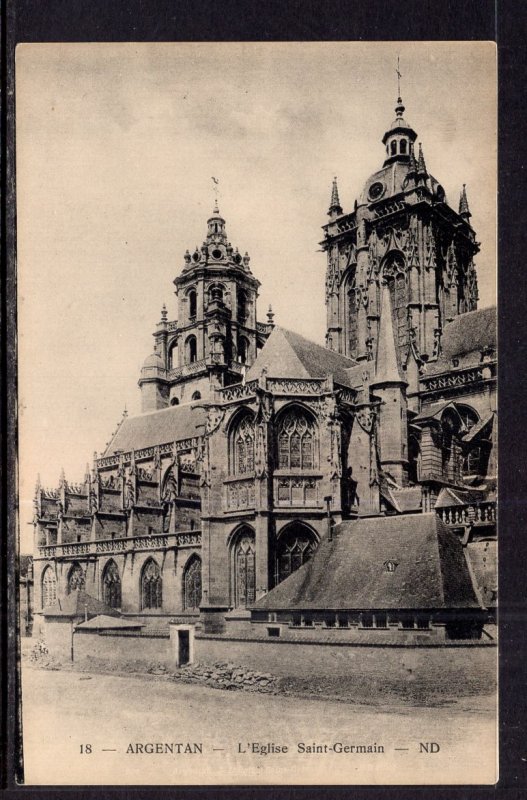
<point x="296" y="441"/>
<point x="295" y="548"/>
<point x="49" y="587"/>
<point x="151" y="586"/>
<point x="244" y="570"/>
<point x="242" y="447"/>
<point x="111" y="585"/>
<point x="192" y="584"/>
<point x="76" y="578"/>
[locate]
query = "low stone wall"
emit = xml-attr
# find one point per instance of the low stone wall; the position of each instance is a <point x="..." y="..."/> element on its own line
<point x="135" y="652"/>
<point x="468" y="667"/>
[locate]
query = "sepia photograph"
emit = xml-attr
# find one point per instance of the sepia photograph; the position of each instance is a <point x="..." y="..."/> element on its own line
<point x="257" y="412"/>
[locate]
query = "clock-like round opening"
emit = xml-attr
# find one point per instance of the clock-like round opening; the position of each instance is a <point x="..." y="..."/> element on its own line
<point x="216" y="253"/>
<point x="376" y="190"/>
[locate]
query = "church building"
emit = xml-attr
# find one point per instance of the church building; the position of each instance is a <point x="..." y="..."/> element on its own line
<point x="272" y="480"/>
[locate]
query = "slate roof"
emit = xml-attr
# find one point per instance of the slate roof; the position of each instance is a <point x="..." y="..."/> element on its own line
<point x="289" y="355"/>
<point x="158" y="427"/>
<point x="464" y="338"/>
<point x="349" y="572"/>
<point x="103" y="622"/>
<point x="79" y="604"/>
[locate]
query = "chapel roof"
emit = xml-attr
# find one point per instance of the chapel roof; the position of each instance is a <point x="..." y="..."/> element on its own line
<point x="349" y="572"/>
<point x="465" y="338"/>
<point x="288" y="355"/>
<point x="158" y="427"/>
<point x="79" y="603"/>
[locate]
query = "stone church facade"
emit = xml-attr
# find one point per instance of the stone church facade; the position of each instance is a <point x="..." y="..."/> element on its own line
<point x="255" y="445"/>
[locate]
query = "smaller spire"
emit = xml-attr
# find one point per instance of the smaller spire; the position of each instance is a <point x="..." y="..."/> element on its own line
<point x="334" y="205"/>
<point x="421" y="166"/>
<point x="464" y="210"/>
<point x="386" y="363"/>
<point x="270" y="316"/>
<point x="164" y="313"/>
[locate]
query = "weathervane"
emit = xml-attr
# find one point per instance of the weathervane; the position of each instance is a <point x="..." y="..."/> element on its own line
<point x="399" y="76"/>
<point x="216" y="182"/>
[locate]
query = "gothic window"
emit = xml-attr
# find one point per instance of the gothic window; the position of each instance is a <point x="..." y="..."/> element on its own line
<point x="393" y="272"/>
<point x="242" y="350"/>
<point x="151" y="586"/>
<point x="242" y="301"/>
<point x="192" y="303"/>
<point x="414" y="459"/>
<point x="192" y="349"/>
<point x="402" y="147"/>
<point x="76" y="578"/>
<point x="111" y="585"/>
<point x="49" y="587"/>
<point x="296" y="441"/>
<point x="173" y="356"/>
<point x="393" y="147"/>
<point x="192" y="584"/>
<point x="352" y="320"/>
<point x="244" y="570"/>
<point x="295" y="548"/>
<point x="242" y="446"/>
<point x="196" y="395"/>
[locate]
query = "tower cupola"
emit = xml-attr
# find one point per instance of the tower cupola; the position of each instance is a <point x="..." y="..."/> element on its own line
<point x="399" y="137"/>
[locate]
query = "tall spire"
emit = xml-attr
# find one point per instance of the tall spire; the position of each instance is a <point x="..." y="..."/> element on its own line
<point x="386" y="364"/>
<point x="334" y="206"/>
<point x="464" y="210"/>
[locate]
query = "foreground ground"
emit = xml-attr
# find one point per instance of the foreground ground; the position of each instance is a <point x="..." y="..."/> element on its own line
<point x="87" y="728"/>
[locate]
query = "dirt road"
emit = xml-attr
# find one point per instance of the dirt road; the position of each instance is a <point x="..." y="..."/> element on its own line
<point x="82" y="728"/>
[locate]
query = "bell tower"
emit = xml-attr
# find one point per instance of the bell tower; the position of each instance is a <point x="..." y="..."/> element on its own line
<point x="215" y="337"/>
<point x="403" y="233"/>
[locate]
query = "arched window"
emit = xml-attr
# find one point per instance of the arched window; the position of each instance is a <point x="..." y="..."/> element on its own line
<point x="296" y="441"/>
<point x="352" y="321"/>
<point x="173" y="356"/>
<point x="174" y="401"/>
<point x="244" y="569"/>
<point x="192" y="303"/>
<point x="76" y="578"/>
<point x="393" y="147"/>
<point x="216" y="293"/>
<point x="402" y="147"/>
<point x="192" y="349"/>
<point x="49" y="587"/>
<point x="242" y="349"/>
<point x="192" y="584"/>
<point x="242" y="305"/>
<point x="393" y="272"/>
<point x="414" y="459"/>
<point x="295" y="547"/>
<point x="151" y="586"/>
<point x="196" y="395"/>
<point x="242" y="446"/>
<point x="111" y="585"/>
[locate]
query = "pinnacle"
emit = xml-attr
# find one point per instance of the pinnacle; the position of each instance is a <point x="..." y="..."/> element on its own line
<point x="464" y="210"/>
<point x="421" y="166"/>
<point x="334" y="204"/>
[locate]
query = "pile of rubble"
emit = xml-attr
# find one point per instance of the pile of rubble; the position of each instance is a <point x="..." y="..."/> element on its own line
<point x="221" y="676"/>
<point x="39" y="656"/>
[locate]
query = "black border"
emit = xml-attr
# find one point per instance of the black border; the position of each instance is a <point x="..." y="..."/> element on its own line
<point x="503" y="21"/>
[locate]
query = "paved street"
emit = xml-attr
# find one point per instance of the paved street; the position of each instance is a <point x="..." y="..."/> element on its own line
<point x="66" y="711"/>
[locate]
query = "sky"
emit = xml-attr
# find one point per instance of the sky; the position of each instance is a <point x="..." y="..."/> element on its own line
<point x="116" y="147"/>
